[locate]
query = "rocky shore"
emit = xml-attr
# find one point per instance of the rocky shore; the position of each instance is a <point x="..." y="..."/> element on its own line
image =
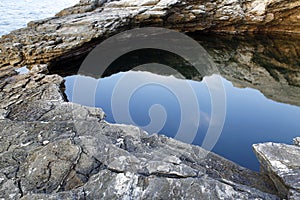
<point x="53" y="149"/>
<point x="75" y="31"/>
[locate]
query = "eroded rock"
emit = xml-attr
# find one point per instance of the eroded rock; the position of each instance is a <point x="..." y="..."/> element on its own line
<point x="76" y="30"/>
<point x="52" y="149"/>
<point x="296" y="141"/>
<point x="46" y="168"/>
<point x="55" y="149"/>
<point x="281" y="163"/>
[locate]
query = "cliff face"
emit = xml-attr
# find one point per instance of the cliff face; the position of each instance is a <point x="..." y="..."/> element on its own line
<point x="52" y="149"/>
<point x="221" y="15"/>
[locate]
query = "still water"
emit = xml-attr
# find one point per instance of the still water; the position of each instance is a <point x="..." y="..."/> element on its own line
<point x="17" y="13"/>
<point x="259" y="76"/>
<point x="250" y="117"/>
<point x="260" y="107"/>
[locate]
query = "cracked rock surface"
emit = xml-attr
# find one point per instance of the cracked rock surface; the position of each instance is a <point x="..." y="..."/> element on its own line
<point x="281" y="163"/>
<point x="52" y="149"/>
<point x="76" y="30"/>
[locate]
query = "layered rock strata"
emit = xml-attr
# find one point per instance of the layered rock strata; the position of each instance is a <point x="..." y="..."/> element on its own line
<point x="53" y="149"/>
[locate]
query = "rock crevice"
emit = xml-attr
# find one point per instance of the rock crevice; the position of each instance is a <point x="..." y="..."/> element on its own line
<point x="60" y="149"/>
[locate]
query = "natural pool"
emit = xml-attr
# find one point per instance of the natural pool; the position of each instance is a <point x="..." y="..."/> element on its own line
<point x="261" y="80"/>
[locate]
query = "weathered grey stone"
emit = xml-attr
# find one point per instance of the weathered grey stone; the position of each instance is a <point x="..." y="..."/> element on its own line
<point x="46" y="168"/>
<point x="294" y="195"/>
<point x="281" y="163"/>
<point x="101" y="155"/>
<point x="9" y="190"/>
<point x="52" y="149"/>
<point x="3" y="113"/>
<point x="296" y="141"/>
<point x="91" y="21"/>
<point x="109" y="185"/>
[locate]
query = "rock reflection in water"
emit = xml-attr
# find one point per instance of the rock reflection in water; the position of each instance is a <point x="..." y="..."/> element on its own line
<point x="270" y="64"/>
<point x="262" y="82"/>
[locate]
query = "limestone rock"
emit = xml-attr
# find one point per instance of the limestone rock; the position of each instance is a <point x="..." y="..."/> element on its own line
<point x="76" y="30"/>
<point x="54" y="149"/>
<point x="281" y="163"/>
<point x="45" y="169"/>
<point x="296" y="141"/>
<point x="108" y="185"/>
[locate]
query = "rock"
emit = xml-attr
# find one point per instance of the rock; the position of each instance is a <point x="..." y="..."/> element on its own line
<point x="9" y="190"/>
<point x="52" y="149"/>
<point x="55" y="149"/>
<point x="294" y="195"/>
<point x="109" y="185"/>
<point x="93" y="178"/>
<point x="43" y="69"/>
<point x="269" y="64"/>
<point x="46" y="168"/>
<point x="296" y="141"/>
<point x="281" y="163"/>
<point x="3" y="113"/>
<point x="87" y="23"/>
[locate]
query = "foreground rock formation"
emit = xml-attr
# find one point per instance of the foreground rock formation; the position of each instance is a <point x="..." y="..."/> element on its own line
<point x="53" y="149"/>
<point x="281" y="163"/>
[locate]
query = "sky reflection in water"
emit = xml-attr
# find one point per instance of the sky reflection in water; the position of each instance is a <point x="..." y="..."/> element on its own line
<point x="250" y="118"/>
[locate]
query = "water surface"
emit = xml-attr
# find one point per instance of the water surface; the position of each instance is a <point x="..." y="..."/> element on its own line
<point x="251" y="117"/>
<point x="16" y="14"/>
<point x="260" y="76"/>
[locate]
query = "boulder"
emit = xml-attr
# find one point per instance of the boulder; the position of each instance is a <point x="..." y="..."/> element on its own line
<point x="281" y="163"/>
